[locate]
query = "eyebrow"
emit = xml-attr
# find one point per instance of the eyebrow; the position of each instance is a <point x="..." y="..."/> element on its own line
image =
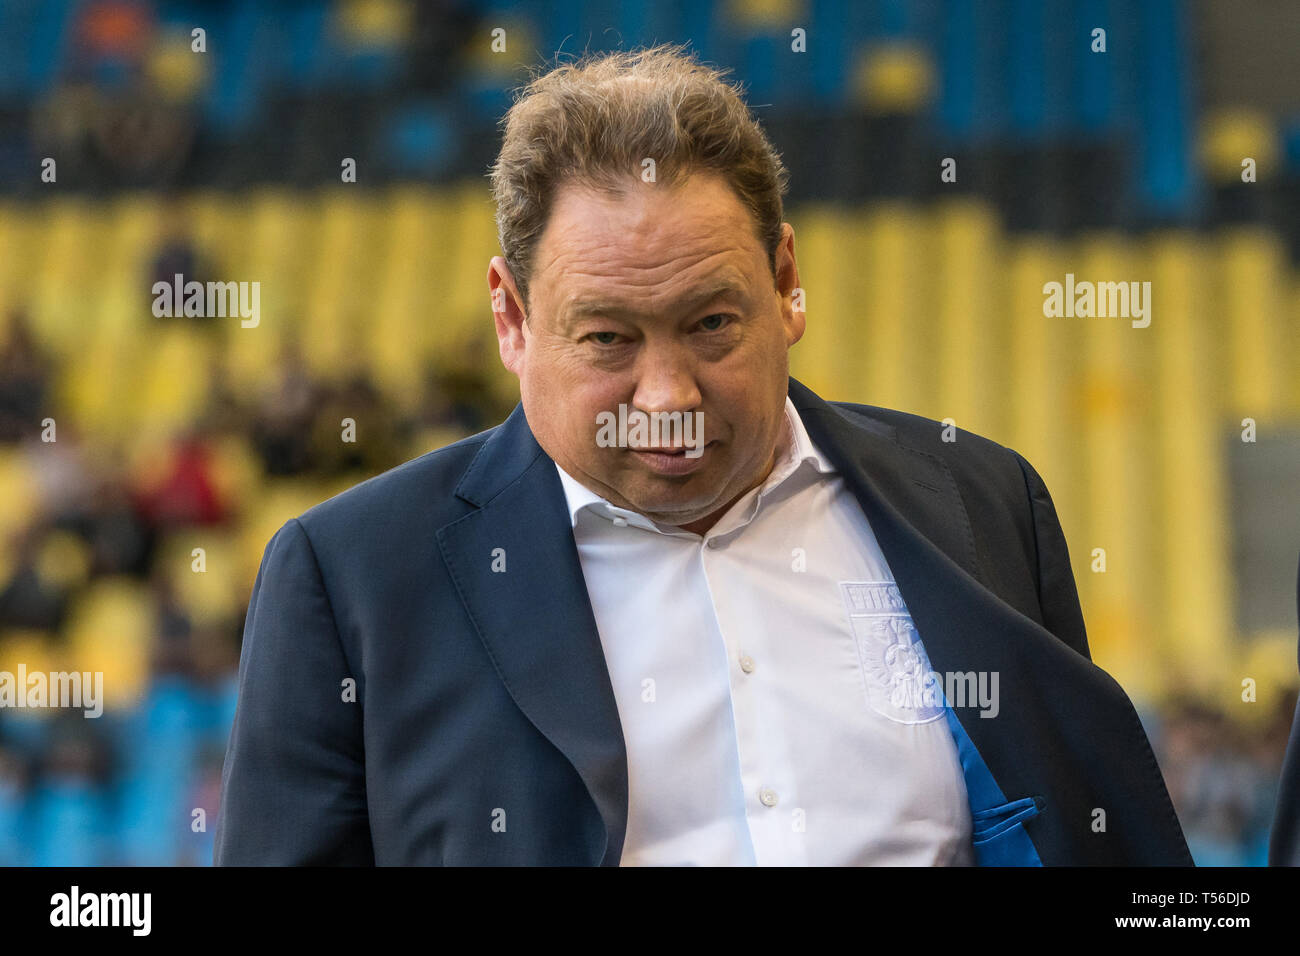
<point x="583" y="308"/>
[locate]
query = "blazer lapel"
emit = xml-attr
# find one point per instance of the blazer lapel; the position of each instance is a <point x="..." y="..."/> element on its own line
<point x="535" y="619"/>
<point x="931" y="553"/>
<point x="1064" y="727"/>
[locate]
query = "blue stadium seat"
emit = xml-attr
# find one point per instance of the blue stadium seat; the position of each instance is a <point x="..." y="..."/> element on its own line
<point x="419" y="139"/>
<point x="1164" y="122"/>
<point x="70" y="820"/>
<point x="13" y="805"/>
<point x="240" y="61"/>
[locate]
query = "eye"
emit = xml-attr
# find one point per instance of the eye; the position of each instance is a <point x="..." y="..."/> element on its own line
<point x="604" y="338"/>
<point x="712" y="323"/>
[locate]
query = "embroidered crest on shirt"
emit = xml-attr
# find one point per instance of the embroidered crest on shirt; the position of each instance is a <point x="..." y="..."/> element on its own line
<point x="894" y="664"/>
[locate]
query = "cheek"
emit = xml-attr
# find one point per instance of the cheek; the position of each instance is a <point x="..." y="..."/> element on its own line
<point x="578" y="404"/>
<point x="548" y="375"/>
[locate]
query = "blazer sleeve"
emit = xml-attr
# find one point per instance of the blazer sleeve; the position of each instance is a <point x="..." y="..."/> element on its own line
<point x="1284" y="841"/>
<point x="1284" y="838"/>
<point x="1058" y="597"/>
<point x="293" y="782"/>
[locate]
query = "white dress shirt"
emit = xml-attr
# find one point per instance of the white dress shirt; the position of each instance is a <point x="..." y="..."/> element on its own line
<point x="766" y="676"/>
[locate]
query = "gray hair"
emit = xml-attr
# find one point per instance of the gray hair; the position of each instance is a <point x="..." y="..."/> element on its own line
<point x="593" y="121"/>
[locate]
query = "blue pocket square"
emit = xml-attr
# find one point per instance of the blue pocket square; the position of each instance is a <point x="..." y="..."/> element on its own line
<point x="989" y="824"/>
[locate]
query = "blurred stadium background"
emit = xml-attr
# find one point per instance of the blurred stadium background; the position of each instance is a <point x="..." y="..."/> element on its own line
<point x="176" y="434"/>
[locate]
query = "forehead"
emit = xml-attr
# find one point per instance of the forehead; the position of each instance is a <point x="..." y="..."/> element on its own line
<point x="649" y="238"/>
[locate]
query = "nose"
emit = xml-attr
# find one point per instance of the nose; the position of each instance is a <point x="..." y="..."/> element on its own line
<point x="666" y="381"/>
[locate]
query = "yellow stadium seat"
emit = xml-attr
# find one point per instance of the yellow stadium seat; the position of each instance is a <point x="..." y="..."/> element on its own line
<point x="204" y="566"/>
<point x="1120" y="484"/>
<point x="1191" y="556"/>
<point x="760" y="15"/>
<point x="111" y="629"/>
<point x="38" y="652"/>
<point x="896" y="77"/>
<point x="22" y="229"/>
<point x="69" y="274"/>
<point x="818" y="244"/>
<point x="173" y="387"/>
<point x="1232" y="135"/>
<point x="1252" y="304"/>
<point x="466" y="307"/>
<point x="406" y="321"/>
<point x="968" y="370"/>
<point x="19" y="490"/>
<point x="341" y="292"/>
<point x="899" y="351"/>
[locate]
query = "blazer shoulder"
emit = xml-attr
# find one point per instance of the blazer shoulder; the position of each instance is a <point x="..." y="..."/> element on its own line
<point x="1013" y="520"/>
<point x="996" y="484"/>
<point x="419" y="492"/>
<point x="960" y="449"/>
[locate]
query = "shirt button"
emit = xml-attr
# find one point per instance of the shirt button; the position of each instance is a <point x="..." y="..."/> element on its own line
<point x="620" y="522"/>
<point x="747" y="664"/>
<point x="767" y="796"/>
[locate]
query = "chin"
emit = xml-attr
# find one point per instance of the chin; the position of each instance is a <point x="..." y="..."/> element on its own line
<point x="674" y="510"/>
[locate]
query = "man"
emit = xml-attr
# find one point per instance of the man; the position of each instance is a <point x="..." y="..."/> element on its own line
<point x="789" y="632"/>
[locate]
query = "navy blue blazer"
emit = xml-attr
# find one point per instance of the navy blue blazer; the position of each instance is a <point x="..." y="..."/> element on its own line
<point x="1284" y="840"/>
<point x="484" y="728"/>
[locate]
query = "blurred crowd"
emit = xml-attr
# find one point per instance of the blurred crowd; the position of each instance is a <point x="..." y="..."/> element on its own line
<point x="139" y="785"/>
<point x="1222" y="777"/>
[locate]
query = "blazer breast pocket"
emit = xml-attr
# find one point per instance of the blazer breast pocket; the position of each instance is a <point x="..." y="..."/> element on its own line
<point x="999" y="836"/>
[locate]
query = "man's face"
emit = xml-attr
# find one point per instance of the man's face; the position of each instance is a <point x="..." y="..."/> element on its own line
<point x="661" y="300"/>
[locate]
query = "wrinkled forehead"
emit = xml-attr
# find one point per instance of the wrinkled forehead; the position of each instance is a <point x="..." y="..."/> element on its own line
<point x="647" y="237"/>
<point x="681" y="295"/>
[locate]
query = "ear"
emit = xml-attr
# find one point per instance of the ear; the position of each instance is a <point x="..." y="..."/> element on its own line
<point x="508" y="314"/>
<point x="787" y="285"/>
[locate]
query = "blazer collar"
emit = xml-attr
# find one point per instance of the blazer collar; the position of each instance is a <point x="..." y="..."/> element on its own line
<point x="912" y="487"/>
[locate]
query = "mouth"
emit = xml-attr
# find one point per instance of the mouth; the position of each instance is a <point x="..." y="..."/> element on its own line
<point x="671" y="459"/>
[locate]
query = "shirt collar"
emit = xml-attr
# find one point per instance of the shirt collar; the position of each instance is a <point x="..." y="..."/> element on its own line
<point x="796" y="449"/>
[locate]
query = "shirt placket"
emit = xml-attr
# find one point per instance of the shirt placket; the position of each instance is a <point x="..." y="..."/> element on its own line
<point x="765" y="774"/>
